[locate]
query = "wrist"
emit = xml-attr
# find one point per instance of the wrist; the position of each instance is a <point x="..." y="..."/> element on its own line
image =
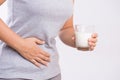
<point x="19" y="44"/>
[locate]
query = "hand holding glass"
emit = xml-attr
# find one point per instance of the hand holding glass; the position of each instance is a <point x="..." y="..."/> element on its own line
<point x="82" y="34"/>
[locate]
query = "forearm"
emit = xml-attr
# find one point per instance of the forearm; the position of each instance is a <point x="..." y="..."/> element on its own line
<point x="10" y="37"/>
<point x="66" y="36"/>
<point x="2" y="1"/>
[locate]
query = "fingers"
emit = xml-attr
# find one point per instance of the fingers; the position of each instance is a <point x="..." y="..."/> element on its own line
<point x="41" y="57"/>
<point x="40" y="50"/>
<point x="94" y="40"/>
<point x="39" y="60"/>
<point x="45" y="53"/>
<point x="94" y="35"/>
<point x="38" y="41"/>
<point x="91" y="48"/>
<point x="35" y="62"/>
<point x="92" y="44"/>
<point x="44" y="57"/>
<point x="34" y="53"/>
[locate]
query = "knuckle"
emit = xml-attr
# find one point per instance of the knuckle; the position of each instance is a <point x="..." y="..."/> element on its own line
<point x="90" y="43"/>
<point x="46" y="54"/>
<point x="46" y="59"/>
<point x="33" y="61"/>
<point x="39" y="60"/>
<point x="42" y="56"/>
<point x="43" y="62"/>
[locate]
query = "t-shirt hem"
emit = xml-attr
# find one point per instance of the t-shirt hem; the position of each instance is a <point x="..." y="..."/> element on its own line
<point x="30" y="76"/>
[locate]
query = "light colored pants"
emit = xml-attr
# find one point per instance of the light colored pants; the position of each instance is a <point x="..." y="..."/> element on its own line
<point x="58" y="77"/>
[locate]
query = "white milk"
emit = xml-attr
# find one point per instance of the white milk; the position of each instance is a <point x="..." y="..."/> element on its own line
<point x="82" y="39"/>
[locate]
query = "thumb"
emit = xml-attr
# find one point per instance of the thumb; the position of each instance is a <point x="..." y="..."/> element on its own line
<point x="38" y="41"/>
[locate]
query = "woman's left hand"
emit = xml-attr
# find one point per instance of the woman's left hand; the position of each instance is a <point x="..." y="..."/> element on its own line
<point x="92" y="41"/>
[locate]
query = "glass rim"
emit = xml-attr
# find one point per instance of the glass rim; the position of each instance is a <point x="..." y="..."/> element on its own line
<point x="85" y="27"/>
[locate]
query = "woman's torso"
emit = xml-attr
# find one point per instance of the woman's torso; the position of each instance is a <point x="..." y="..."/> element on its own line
<point x="42" y="19"/>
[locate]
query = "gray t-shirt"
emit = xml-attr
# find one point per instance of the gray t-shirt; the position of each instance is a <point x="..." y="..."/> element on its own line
<point x="42" y="19"/>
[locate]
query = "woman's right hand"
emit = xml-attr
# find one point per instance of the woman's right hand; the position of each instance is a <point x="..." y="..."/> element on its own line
<point x="27" y="47"/>
<point x="32" y="52"/>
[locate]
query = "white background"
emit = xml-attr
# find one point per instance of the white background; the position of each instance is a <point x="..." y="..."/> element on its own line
<point x="104" y="62"/>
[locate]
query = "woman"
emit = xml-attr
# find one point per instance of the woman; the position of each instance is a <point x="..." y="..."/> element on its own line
<point x="28" y="50"/>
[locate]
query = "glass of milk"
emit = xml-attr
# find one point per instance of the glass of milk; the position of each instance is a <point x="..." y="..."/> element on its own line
<point x="82" y="34"/>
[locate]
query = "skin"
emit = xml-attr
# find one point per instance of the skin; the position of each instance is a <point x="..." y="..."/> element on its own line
<point x="2" y="1"/>
<point x="28" y="47"/>
<point x="67" y="35"/>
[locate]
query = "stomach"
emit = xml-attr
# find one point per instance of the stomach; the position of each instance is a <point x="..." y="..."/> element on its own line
<point x="11" y="61"/>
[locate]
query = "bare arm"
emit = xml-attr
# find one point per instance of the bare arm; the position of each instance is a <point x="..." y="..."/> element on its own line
<point x="27" y="47"/>
<point x="2" y="1"/>
<point x="67" y="32"/>
<point x="67" y="35"/>
<point x="10" y="37"/>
